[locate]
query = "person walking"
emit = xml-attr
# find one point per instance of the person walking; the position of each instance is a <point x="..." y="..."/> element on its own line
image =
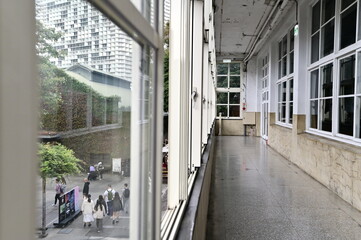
<point x="117" y="207"/>
<point x="87" y="208"/>
<point x="86" y="188"/>
<point x="125" y="197"/>
<point x="109" y="196"/>
<point x="58" y="191"/>
<point x="100" y="209"/>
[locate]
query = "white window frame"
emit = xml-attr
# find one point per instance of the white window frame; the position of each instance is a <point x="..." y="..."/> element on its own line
<point x="229" y="90"/>
<point x="335" y="58"/>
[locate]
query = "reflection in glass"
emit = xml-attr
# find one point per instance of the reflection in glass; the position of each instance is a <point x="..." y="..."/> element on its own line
<point x="279" y="93"/>
<point x="234" y="68"/>
<point x="314" y="84"/>
<point x="284" y="46"/>
<point x="326" y="115"/>
<point x="284" y="66"/>
<point x="328" y="10"/>
<point x="347" y="75"/>
<point x="292" y="39"/>
<point x="346" y="111"/>
<point x="315" y="42"/>
<point x="313" y="114"/>
<point x="222" y="81"/>
<point x="291" y="62"/>
<point x="222" y="68"/>
<point x="348" y="27"/>
<point x="279" y="69"/>
<point x="358" y="85"/>
<point x="346" y="3"/>
<point x="280" y="50"/>
<point x="290" y="120"/>
<point x="223" y="110"/>
<point x="234" y="98"/>
<point x="234" y="81"/>
<point x="234" y="110"/>
<point x="222" y="97"/>
<point x="291" y="89"/>
<point x="284" y="93"/>
<point x="283" y="112"/>
<point x="326" y="80"/>
<point x="327" y="38"/>
<point x="358" y="117"/>
<point x="316" y="17"/>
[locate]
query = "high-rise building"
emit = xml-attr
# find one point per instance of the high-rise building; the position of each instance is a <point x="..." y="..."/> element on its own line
<point x="88" y="37"/>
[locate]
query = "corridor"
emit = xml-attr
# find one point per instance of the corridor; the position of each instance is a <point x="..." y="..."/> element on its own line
<point x="258" y="194"/>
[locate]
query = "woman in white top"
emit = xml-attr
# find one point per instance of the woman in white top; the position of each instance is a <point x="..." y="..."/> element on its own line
<point x="100" y="211"/>
<point x="87" y="209"/>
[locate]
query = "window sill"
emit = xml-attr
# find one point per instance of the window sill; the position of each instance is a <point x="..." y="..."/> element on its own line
<point x="335" y="139"/>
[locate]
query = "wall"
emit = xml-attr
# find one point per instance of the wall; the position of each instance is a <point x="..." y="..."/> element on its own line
<point x="230" y="127"/>
<point x="335" y="164"/>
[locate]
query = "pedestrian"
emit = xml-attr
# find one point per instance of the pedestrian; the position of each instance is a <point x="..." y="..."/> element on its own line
<point x="58" y="191"/>
<point x="108" y="196"/>
<point x="92" y="174"/>
<point x="117" y="207"/>
<point x="100" y="209"/>
<point x="100" y="169"/>
<point x="87" y="208"/>
<point x="86" y="188"/>
<point x="125" y="197"/>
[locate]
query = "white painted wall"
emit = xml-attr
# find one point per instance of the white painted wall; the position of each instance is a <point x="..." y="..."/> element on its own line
<point x="251" y="86"/>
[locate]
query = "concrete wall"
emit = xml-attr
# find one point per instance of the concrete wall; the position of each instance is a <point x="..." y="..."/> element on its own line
<point x="335" y="164"/>
<point x="230" y="127"/>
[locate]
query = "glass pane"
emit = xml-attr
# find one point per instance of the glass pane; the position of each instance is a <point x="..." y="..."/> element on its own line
<point x="315" y="17"/>
<point x="284" y="45"/>
<point x="314" y="84"/>
<point x="346" y="3"/>
<point x="315" y="42"/>
<point x="348" y="27"/>
<point x="279" y="112"/>
<point x="292" y="39"/>
<point x="222" y="68"/>
<point x="326" y="115"/>
<point x="291" y="62"/>
<point x="222" y="97"/>
<point x="358" y="86"/>
<point x="234" y="81"/>
<point x="347" y="75"/>
<point x="290" y="120"/>
<point x="358" y="117"/>
<point x="234" y="111"/>
<point x="279" y="50"/>
<point x="284" y="66"/>
<point x="328" y="10"/>
<point x="346" y="109"/>
<point x="279" y="69"/>
<point x="291" y="89"/>
<point x="234" y="98"/>
<point x="222" y="81"/>
<point x="223" y="110"/>
<point x="234" y="69"/>
<point x="279" y="93"/>
<point x="313" y="114"/>
<point x="283" y="112"/>
<point x="326" y="80"/>
<point x="284" y="93"/>
<point x="327" y="38"/>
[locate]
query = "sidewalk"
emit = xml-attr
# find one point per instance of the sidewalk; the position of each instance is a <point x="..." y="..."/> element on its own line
<point x="75" y="230"/>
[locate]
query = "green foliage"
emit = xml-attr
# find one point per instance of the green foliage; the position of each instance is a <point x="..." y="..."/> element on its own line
<point x="57" y="161"/>
<point x="46" y="38"/>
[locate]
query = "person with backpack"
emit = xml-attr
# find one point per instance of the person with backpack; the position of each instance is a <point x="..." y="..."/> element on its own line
<point x="125" y="197"/>
<point x="109" y="196"/>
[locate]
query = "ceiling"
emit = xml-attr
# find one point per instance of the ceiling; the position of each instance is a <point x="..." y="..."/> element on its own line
<point x="237" y="23"/>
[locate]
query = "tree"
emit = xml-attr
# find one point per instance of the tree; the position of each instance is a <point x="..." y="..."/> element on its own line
<point x="55" y="161"/>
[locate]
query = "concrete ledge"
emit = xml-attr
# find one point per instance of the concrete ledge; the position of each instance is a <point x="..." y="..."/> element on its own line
<point x="194" y="222"/>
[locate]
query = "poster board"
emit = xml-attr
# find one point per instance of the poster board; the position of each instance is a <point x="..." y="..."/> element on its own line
<point x="117" y="165"/>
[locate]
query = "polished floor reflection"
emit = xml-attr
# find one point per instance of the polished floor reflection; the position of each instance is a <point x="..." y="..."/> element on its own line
<point x="258" y="194"/>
